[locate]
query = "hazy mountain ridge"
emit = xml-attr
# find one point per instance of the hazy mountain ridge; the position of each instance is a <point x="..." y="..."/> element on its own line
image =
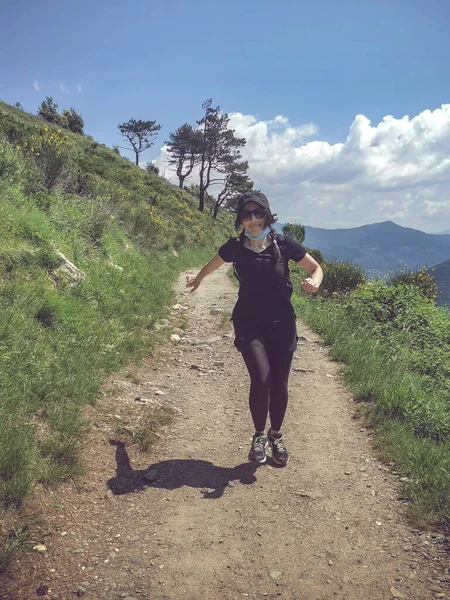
<point x="379" y="247"/>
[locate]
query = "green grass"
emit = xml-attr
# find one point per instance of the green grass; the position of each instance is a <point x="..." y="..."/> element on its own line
<point x="14" y="540"/>
<point x="149" y="430"/>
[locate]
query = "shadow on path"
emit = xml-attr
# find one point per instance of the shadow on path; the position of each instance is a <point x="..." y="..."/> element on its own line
<point x="173" y="474"/>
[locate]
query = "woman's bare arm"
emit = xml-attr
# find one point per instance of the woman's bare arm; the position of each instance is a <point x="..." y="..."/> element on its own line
<point x="311" y="284"/>
<point x="211" y="266"/>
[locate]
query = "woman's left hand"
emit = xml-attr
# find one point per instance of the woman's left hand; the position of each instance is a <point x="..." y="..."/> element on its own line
<point x="309" y="286"/>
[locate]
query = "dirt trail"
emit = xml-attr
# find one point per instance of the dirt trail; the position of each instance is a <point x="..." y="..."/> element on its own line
<point x="213" y="526"/>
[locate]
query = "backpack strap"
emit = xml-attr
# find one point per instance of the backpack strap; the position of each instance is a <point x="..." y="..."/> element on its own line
<point x="281" y="242"/>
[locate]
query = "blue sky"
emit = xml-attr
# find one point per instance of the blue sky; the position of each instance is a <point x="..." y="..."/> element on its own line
<point x="321" y="62"/>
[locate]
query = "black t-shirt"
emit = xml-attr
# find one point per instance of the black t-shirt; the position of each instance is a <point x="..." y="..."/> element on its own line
<point x="264" y="284"/>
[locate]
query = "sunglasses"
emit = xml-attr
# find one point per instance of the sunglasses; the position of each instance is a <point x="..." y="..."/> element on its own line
<point x="259" y="213"/>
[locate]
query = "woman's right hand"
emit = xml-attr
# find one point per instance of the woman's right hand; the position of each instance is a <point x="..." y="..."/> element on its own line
<point x="192" y="282"/>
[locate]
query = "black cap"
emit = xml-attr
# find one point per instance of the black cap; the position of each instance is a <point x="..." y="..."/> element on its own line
<point x="252" y="196"/>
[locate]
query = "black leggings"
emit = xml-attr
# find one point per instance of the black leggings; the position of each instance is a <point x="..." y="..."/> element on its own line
<point x="267" y="351"/>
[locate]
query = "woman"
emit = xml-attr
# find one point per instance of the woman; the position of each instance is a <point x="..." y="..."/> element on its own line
<point x="263" y="317"/>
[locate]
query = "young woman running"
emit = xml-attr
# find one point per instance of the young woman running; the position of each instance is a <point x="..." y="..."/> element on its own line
<point x="263" y="316"/>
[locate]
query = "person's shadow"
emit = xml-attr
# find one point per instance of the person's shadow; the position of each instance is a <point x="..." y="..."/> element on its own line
<point x="173" y="474"/>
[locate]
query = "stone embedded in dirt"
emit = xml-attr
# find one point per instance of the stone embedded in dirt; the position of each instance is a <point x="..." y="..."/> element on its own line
<point x="151" y="475"/>
<point x="108" y="494"/>
<point x="42" y="590"/>
<point x="434" y="588"/>
<point x="143" y="400"/>
<point x="194" y="366"/>
<point x="313" y="495"/>
<point x="228" y="335"/>
<point x="159" y="393"/>
<point x="275" y="574"/>
<point x="303" y="575"/>
<point x="300" y="370"/>
<point x="40" y="548"/>
<point x="218" y="363"/>
<point x="396" y="593"/>
<point x="175" y="337"/>
<point x="301" y="338"/>
<point x="79" y="550"/>
<point x="328" y="375"/>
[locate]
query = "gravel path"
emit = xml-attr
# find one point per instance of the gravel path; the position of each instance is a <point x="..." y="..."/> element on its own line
<point x="206" y="524"/>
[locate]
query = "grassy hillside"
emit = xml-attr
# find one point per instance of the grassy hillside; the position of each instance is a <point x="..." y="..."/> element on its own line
<point x="89" y="248"/>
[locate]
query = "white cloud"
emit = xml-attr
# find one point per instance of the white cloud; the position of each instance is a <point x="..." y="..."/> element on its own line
<point x="36" y="85"/>
<point x="79" y="88"/>
<point x="396" y="170"/>
<point x="63" y="88"/>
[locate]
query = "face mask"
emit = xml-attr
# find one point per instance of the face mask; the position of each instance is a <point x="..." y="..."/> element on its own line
<point x="261" y="236"/>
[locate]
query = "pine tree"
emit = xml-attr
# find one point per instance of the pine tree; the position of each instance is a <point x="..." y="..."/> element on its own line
<point x="48" y="110"/>
<point x="184" y="149"/>
<point x="140" y="134"/>
<point x="219" y="148"/>
<point x="236" y="182"/>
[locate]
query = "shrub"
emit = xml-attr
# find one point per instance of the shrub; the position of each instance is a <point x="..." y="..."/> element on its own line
<point x="12" y="128"/>
<point x="420" y="278"/>
<point x="53" y="153"/>
<point x="341" y="277"/>
<point x="10" y="163"/>
<point x="401" y="308"/>
<point x="294" y="230"/>
<point x="48" y="110"/>
<point x="317" y="255"/>
<point x="72" y="120"/>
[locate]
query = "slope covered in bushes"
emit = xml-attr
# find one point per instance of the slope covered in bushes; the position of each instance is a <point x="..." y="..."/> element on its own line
<point x="89" y="248"/>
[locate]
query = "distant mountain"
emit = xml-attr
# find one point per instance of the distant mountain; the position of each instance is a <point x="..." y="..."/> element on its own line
<point x="380" y="246"/>
<point x="441" y="274"/>
<point x="447" y="231"/>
